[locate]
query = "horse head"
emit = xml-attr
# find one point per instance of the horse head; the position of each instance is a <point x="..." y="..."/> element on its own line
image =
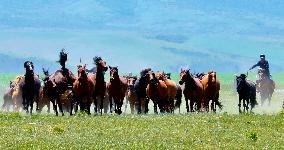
<point x="184" y="74"/>
<point x="100" y="63"/>
<point x="131" y="81"/>
<point x="81" y="70"/>
<point x="113" y="73"/>
<point x="241" y="82"/>
<point x="212" y="75"/>
<point x="168" y="76"/>
<point x="29" y="67"/>
<point x="152" y="78"/>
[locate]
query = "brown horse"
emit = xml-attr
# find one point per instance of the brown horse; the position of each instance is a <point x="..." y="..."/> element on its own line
<point x="157" y="91"/>
<point x="84" y="88"/>
<point x="117" y="88"/>
<point x="100" y="84"/>
<point x="265" y="86"/>
<point x="193" y="90"/>
<point x="43" y="98"/>
<point x="171" y="91"/>
<point x="131" y="96"/>
<point x="211" y="86"/>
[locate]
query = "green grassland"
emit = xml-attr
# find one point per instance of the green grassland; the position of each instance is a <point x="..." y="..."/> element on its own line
<point x="262" y="129"/>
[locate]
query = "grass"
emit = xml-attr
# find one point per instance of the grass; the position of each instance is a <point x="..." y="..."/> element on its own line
<point x="191" y="131"/>
<point x="262" y="129"/>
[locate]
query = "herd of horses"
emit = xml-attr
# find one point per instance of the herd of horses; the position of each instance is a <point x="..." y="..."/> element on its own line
<point x="69" y="93"/>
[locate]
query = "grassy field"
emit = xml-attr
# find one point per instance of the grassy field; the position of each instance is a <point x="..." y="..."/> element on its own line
<point x="262" y="129"/>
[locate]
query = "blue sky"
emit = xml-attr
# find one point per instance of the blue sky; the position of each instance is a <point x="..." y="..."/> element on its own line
<point x="134" y="34"/>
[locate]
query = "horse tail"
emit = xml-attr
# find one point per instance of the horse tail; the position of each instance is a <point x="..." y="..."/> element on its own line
<point x="178" y="98"/>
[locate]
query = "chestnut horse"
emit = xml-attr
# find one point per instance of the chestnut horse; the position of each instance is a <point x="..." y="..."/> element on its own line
<point x="98" y="78"/>
<point x="83" y="89"/>
<point x="30" y="88"/>
<point x="140" y="90"/>
<point x="157" y="91"/>
<point x="265" y="86"/>
<point x="130" y="94"/>
<point x="211" y="85"/>
<point x="178" y="97"/>
<point x="117" y="88"/>
<point x="193" y="90"/>
<point x="171" y="91"/>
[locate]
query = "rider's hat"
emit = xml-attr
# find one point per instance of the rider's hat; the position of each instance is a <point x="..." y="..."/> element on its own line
<point x="262" y="56"/>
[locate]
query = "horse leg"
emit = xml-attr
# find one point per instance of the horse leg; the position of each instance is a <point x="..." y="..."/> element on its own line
<point x="244" y="105"/>
<point x="138" y="107"/>
<point x="155" y="107"/>
<point x="191" y="103"/>
<point x="31" y="106"/>
<point x="186" y="103"/>
<point x="110" y="104"/>
<point x="60" y="106"/>
<point x="240" y="101"/>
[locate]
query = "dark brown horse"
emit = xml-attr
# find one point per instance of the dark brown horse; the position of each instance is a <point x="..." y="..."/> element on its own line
<point x="84" y="88"/>
<point x="117" y="88"/>
<point x="211" y="85"/>
<point x="100" y="85"/>
<point x="140" y="90"/>
<point x="44" y="100"/>
<point x="193" y="90"/>
<point x="30" y="87"/>
<point x="265" y="86"/>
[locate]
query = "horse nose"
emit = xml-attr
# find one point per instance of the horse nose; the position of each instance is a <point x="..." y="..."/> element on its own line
<point x="106" y="68"/>
<point x="180" y="82"/>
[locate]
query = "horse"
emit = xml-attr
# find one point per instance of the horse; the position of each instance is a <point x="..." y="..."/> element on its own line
<point x="157" y="91"/>
<point x="117" y="88"/>
<point x="171" y="91"/>
<point x="193" y="90"/>
<point x="140" y="91"/>
<point x="211" y="85"/>
<point x="7" y="97"/>
<point x="83" y="89"/>
<point x="131" y="96"/>
<point x="57" y="85"/>
<point x="247" y="92"/>
<point x="98" y="78"/>
<point x="178" y="98"/>
<point x="44" y="99"/>
<point x="17" y="94"/>
<point x="265" y="86"/>
<point x="30" y="87"/>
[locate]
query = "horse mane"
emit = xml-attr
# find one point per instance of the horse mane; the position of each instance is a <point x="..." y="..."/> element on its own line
<point x="192" y="84"/>
<point x="97" y="59"/>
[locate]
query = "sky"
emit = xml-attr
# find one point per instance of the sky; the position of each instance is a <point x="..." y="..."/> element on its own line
<point x="134" y="34"/>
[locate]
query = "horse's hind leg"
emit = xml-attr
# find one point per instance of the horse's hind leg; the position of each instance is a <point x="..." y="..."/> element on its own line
<point x="239" y="105"/>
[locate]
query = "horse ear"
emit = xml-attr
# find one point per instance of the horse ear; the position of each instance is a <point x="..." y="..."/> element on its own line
<point x="110" y="67"/>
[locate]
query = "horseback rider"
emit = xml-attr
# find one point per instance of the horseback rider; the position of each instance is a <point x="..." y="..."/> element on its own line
<point x="66" y="73"/>
<point x="263" y="65"/>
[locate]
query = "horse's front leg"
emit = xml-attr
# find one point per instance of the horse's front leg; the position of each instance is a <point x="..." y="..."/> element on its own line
<point x="240" y="101"/>
<point x="187" y="106"/>
<point x="60" y="106"/>
<point x="110" y="103"/>
<point x="31" y="106"/>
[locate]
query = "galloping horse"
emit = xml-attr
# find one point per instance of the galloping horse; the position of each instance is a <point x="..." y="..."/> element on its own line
<point x="30" y="87"/>
<point x="265" y="86"/>
<point x="157" y="91"/>
<point x="171" y="91"/>
<point x="193" y="89"/>
<point x="211" y="85"/>
<point x="117" y="88"/>
<point x="7" y="97"/>
<point x="247" y="92"/>
<point x="17" y="94"/>
<point x="44" y="100"/>
<point x="131" y="96"/>
<point x="100" y="84"/>
<point x="84" y="88"/>
<point x="140" y="90"/>
<point x="178" y="97"/>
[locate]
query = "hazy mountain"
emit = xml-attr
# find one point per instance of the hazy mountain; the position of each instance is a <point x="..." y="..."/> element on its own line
<point x="226" y="36"/>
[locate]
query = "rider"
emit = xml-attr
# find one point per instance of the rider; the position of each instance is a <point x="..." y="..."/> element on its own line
<point x="66" y="73"/>
<point x="263" y="64"/>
